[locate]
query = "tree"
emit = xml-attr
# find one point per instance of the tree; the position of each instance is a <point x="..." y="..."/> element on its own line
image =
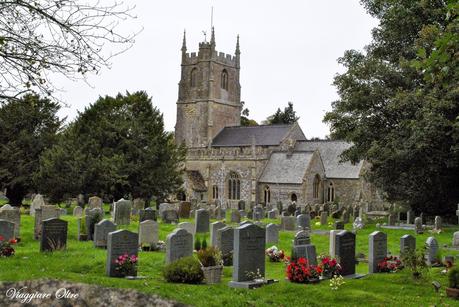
<point x="28" y="126"/>
<point x="68" y="37"/>
<point x="399" y="103"/>
<point x="116" y="148"/>
<point x="245" y="120"/>
<point x="288" y="116"/>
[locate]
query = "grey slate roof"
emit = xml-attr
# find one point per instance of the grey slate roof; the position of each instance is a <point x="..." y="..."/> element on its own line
<point x="330" y="152"/>
<point x="282" y="168"/>
<point x="263" y="135"/>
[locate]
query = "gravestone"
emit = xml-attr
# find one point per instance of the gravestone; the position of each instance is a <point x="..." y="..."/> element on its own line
<point x="220" y="213"/>
<point x="184" y="209"/>
<point x="377" y="250"/>
<point x="407" y="243"/>
<point x="291" y="209"/>
<point x="410" y="217"/>
<point x="37" y="202"/>
<point x="147" y="214"/>
<point x="77" y="211"/>
<point x="137" y="205"/>
<point x="241" y="205"/>
<point x="202" y="221"/>
<point x="6" y="207"/>
<point x="44" y="213"/>
<point x="258" y="213"/>
<point x="53" y="235"/>
<point x="119" y="243"/>
<point x="456" y="239"/>
<point x="391" y="219"/>
<point x="190" y="227"/>
<point x="179" y="244"/>
<point x="170" y="216"/>
<point x="243" y="213"/>
<point x="148" y="233"/>
<point x="101" y="231"/>
<point x="437" y="223"/>
<point x="432" y="251"/>
<point x="213" y="232"/>
<point x="302" y="247"/>
<point x="225" y="241"/>
<point x="288" y="223"/>
<point x="245" y="223"/>
<point x="163" y="207"/>
<point x="272" y="233"/>
<point x="80" y="200"/>
<point x="235" y="216"/>
<point x="92" y="217"/>
<point x="6" y="230"/>
<point x="418" y="225"/>
<point x="272" y="214"/>
<point x="95" y="202"/>
<point x="345" y="251"/>
<point x="355" y="211"/>
<point x="303" y="221"/>
<point x="13" y="216"/>
<point x="248" y="255"/>
<point x="331" y="248"/>
<point x="122" y="212"/>
<point x="345" y="216"/>
<point x="323" y="218"/>
<point x="339" y="225"/>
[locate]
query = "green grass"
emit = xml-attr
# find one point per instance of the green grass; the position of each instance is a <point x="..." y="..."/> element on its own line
<point x="81" y="262"/>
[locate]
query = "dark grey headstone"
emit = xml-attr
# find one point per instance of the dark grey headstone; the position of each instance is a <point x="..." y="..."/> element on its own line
<point x="92" y="217"/>
<point x="272" y="233"/>
<point x="220" y="213"/>
<point x="235" y="216"/>
<point x="202" y="221"/>
<point x="53" y="235"/>
<point x="302" y="247"/>
<point x="272" y="214"/>
<point x="225" y="240"/>
<point x="7" y="230"/>
<point x="179" y="244"/>
<point x="407" y="243"/>
<point x="44" y="213"/>
<point x="258" y="213"/>
<point x="339" y="225"/>
<point x="12" y="215"/>
<point x="377" y="250"/>
<point x="120" y="242"/>
<point x="170" y="216"/>
<point x="101" y="231"/>
<point x="147" y="214"/>
<point x="345" y="251"/>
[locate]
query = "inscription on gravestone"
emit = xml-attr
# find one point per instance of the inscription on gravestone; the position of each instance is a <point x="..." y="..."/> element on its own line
<point x="377" y="250"/>
<point x="101" y="231"/>
<point x="54" y="235"/>
<point x="345" y="251"/>
<point x="179" y="244"/>
<point x="120" y="242"/>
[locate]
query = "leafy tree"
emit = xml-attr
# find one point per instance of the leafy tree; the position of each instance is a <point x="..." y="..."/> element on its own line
<point x="245" y="120"/>
<point x="115" y="148"/>
<point x="399" y="103"/>
<point x="28" y="126"/>
<point x="288" y="116"/>
<point x="68" y="37"/>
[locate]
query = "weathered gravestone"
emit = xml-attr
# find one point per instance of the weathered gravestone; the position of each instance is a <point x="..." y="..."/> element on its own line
<point x="302" y="247"/>
<point x="418" y="225"/>
<point x="242" y="213"/>
<point x="241" y="205"/>
<point x="122" y="212"/>
<point x="92" y="217"/>
<point x="391" y="219"/>
<point x="77" y="211"/>
<point x="13" y="216"/>
<point x="258" y="213"/>
<point x="331" y="248"/>
<point x="44" y="213"/>
<point x="345" y="251"/>
<point x="148" y="233"/>
<point x="147" y="214"/>
<point x="339" y="225"/>
<point x="37" y="202"/>
<point x="245" y="223"/>
<point x="323" y="218"/>
<point x="407" y="244"/>
<point x="437" y="225"/>
<point x="288" y="223"/>
<point x="184" y="209"/>
<point x="456" y="239"/>
<point x="202" y="220"/>
<point x="120" y="242"/>
<point x="179" y="244"/>
<point x="95" y="202"/>
<point x="235" y="216"/>
<point x="303" y="221"/>
<point x="377" y="250"/>
<point x="53" y="235"/>
<point x="213" y="232"/>
<point x="272" y="233"/>
<point x="170" y="216"/>
<point x="220" y="213"/>
<point x="6" y="207"/>
<point x="6" y="230"/>
<point x="291" y="209"/>
<point x="163" y="207"/>
<point x="248" y="255"/>
<point x="190" y="227"/>
<point x="410" y="217"/>
<point x="101" y="231"/>
<point x="432" y="251"/>
<point x="137" y="205"/>
<point x="272" y="214"/>
<point x="225" y="243"/>
<point x="345" y="216"/>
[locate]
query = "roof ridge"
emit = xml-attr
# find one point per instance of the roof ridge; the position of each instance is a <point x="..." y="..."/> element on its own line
<point x="257" y="126"/>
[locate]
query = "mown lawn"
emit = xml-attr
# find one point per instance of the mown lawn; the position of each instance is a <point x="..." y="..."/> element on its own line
<point x="81" y="262"/>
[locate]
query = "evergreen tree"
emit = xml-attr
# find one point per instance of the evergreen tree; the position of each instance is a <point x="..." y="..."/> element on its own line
<point x="288" y="116"/>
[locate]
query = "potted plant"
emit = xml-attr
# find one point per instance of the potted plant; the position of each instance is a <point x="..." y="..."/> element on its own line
<point x="389" y="265"/>
<point x="329" y="266"/>
<point x="274" y="254"/>
<point x="453" y="283"/>
<point x="126" y="265"/>
<point x="300" y="271"/>
<point x="6" y="247"/>
<point x="211" y="264"/>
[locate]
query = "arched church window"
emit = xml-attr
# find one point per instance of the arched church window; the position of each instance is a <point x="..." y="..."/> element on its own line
<point x="224" y="80"/>
<point x="330" y="192"/>
<point x="193" y="77"/>
<point x="267" y="195"/>
<point x="234" y="186"/>
<point x="293" y="197"/>
<point x="215" y="192"/>
<point x="315" y="187"/>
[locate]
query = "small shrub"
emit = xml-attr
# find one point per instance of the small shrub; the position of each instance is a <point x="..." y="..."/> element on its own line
<point x="414" y="261"/>
<point x="453" y="278"/>
<point x="204" y="243"/>
<point x="210" y="256"/>
<point x="6" y="247"/>
<point x="185" y="270"/>
<point x="197" y="244"/>
<point x="134" y="217"/>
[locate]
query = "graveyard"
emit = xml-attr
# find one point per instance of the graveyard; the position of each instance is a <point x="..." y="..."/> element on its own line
<point x="81" y="261"/>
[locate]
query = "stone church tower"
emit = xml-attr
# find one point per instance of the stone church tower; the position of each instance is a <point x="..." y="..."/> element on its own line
<point x="209" y="97"/>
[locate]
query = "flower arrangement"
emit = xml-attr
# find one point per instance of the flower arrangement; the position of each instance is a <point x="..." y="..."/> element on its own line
<point x="274" y="254"/>
<point x="330" y="267"/>
<point x="6" y="248"/>
<point x="299" y="271"/>
<point x="389" y="264"/>
<point x="126" y="265"/>
<point x="336" y="282"/>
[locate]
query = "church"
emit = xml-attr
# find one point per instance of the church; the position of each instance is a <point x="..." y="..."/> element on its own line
<point x="227" y="162"/>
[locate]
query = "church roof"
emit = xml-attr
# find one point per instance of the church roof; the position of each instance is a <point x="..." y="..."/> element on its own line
<point x="330" y="152"/>
<point x="286" y="168"/>
<point x="263" y="135"/>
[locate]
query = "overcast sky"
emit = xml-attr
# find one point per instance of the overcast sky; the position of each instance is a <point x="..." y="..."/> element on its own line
<point x="289" y="52"/>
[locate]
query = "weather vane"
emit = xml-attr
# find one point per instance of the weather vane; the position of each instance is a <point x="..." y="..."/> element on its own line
<point x="205" y="36"/>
